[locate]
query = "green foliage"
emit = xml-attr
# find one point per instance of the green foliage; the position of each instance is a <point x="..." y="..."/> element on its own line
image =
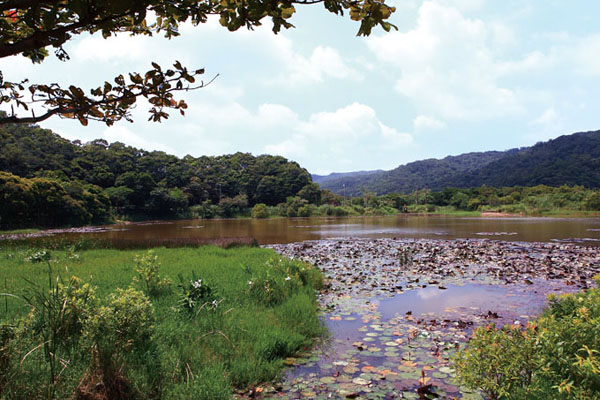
<point x="280" y="279"/>
<point x="122" y="326"/>
<point x="42" y="202"/>
<point x="146" y="268"/>
<point x="231" y="207"/>
<point x="196" y="294"/>
<point x="260" y="211"/>
<point x="305" y="211"/>
<point x="499" y="362"/>
<point x="311" y="193"/>
<point x="593" y="202"/>
<point x="56" y="319"/>
<point x="556" y="357"/>
<point x="123" y="343"/>
<point x="7" y="334"/>
<point x="29" y="31"/>
<point x="93" y="180"/>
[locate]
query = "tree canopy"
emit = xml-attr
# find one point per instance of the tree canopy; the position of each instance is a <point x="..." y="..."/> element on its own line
<point x="32" y="27"/>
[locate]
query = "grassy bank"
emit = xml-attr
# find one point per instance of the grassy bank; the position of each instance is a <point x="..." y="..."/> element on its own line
<point x="194" y="323"/>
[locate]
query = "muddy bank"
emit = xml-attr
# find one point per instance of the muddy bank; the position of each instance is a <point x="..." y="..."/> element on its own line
<point x="398" y="309"/>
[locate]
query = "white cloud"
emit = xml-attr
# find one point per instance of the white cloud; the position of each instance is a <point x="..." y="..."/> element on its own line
<point x="585" y="55"/>
<point x="340" y="139"/>
<point x="446" y="64"/>
<point x="549" y="117"/>
<point x="114" y="48"/>
<point x="422" y="122"/>
<point x="393" y="137"/>
<point x="119" y="133"/>
<point x="323" y="63"/>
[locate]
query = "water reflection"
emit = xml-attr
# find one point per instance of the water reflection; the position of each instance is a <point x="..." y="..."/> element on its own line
<point x="288" y="230"/>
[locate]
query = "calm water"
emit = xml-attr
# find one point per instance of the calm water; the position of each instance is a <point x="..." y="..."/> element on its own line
<point x="285" y="230"/>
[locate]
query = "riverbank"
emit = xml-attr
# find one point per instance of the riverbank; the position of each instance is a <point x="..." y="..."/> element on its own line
<point x="196" y="322"/>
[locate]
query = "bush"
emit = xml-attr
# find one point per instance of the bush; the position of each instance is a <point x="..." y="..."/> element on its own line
<point x="305" y="211"/>
<point x="555" y="357"/>
<point x="260" y="211"/>
<point x="593" y="202"/>
<point x="124" y="324"/>
<point x="147" y="274"/>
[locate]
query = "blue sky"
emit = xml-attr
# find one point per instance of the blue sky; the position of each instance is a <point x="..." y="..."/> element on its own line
<point x="458" y="76"/>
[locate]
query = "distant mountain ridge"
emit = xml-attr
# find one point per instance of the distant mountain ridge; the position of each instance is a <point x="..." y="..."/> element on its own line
<point x="567" y="160"/>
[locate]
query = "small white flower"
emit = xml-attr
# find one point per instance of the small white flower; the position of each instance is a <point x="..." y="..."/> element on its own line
<point x="288" y="278"/>
<point x="196" y="284"/>
<point x="250" y="283"/>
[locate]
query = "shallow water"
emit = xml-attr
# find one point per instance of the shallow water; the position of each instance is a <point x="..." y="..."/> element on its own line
<point x="397" y="310"/>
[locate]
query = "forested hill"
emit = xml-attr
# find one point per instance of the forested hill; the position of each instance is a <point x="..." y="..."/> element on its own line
<point x="570" y="159"/>
<point x="566" y="160"/>
<point x="94" y="180"/>
<point x="431" y="173"/>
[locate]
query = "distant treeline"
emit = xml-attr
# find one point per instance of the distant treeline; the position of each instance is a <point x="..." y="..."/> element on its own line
<point x="536" y="200"/>
<point x="49" y="181"/>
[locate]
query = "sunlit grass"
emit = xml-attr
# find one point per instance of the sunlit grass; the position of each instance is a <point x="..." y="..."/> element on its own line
<point x="239" y="343"/>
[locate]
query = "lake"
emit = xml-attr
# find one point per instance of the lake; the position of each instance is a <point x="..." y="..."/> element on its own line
<point x="289" y="230"/>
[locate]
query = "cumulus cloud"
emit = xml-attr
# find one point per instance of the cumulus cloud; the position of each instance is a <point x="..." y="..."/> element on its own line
<point x="113" y="48"/>
<point x="345" y="138"/>
<point x="446" y="64"/>
<point x="322" y="64"/>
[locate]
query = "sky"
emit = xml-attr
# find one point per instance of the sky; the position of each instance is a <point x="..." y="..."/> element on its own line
<point x="458" y="76"/>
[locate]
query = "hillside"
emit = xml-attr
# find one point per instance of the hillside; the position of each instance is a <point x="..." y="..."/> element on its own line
<point x="46" y="180"/>
<point x="570" y="159"/>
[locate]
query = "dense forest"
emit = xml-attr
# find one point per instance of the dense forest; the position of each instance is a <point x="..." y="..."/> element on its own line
<point x="568" y="160"/>
<point x="45" y="178"/>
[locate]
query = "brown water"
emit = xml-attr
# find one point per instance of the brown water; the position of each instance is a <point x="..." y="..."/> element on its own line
<point x="289" y="230"/>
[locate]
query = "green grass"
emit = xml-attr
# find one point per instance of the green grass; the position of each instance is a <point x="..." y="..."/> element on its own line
<point x="452" y="211"/>
<point x="19" y="231"/>
<point x="205" y="354"/>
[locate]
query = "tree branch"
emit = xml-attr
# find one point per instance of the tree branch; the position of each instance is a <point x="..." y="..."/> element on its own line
<point x="40" y="39"/>
<point x="13" y="119"/>
<point x="23" y="4"/>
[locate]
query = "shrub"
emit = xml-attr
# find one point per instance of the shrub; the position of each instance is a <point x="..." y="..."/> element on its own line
<point x="556" y="357"/>
<point x="260" y="211"/>
<point x="305" y="211"/>
<point x="147" y="274"/>
<point x="124" y="323"/>
<point x="57" y="318"/>
<point x="593" y="202"/>
<point x="498" y="362"/>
